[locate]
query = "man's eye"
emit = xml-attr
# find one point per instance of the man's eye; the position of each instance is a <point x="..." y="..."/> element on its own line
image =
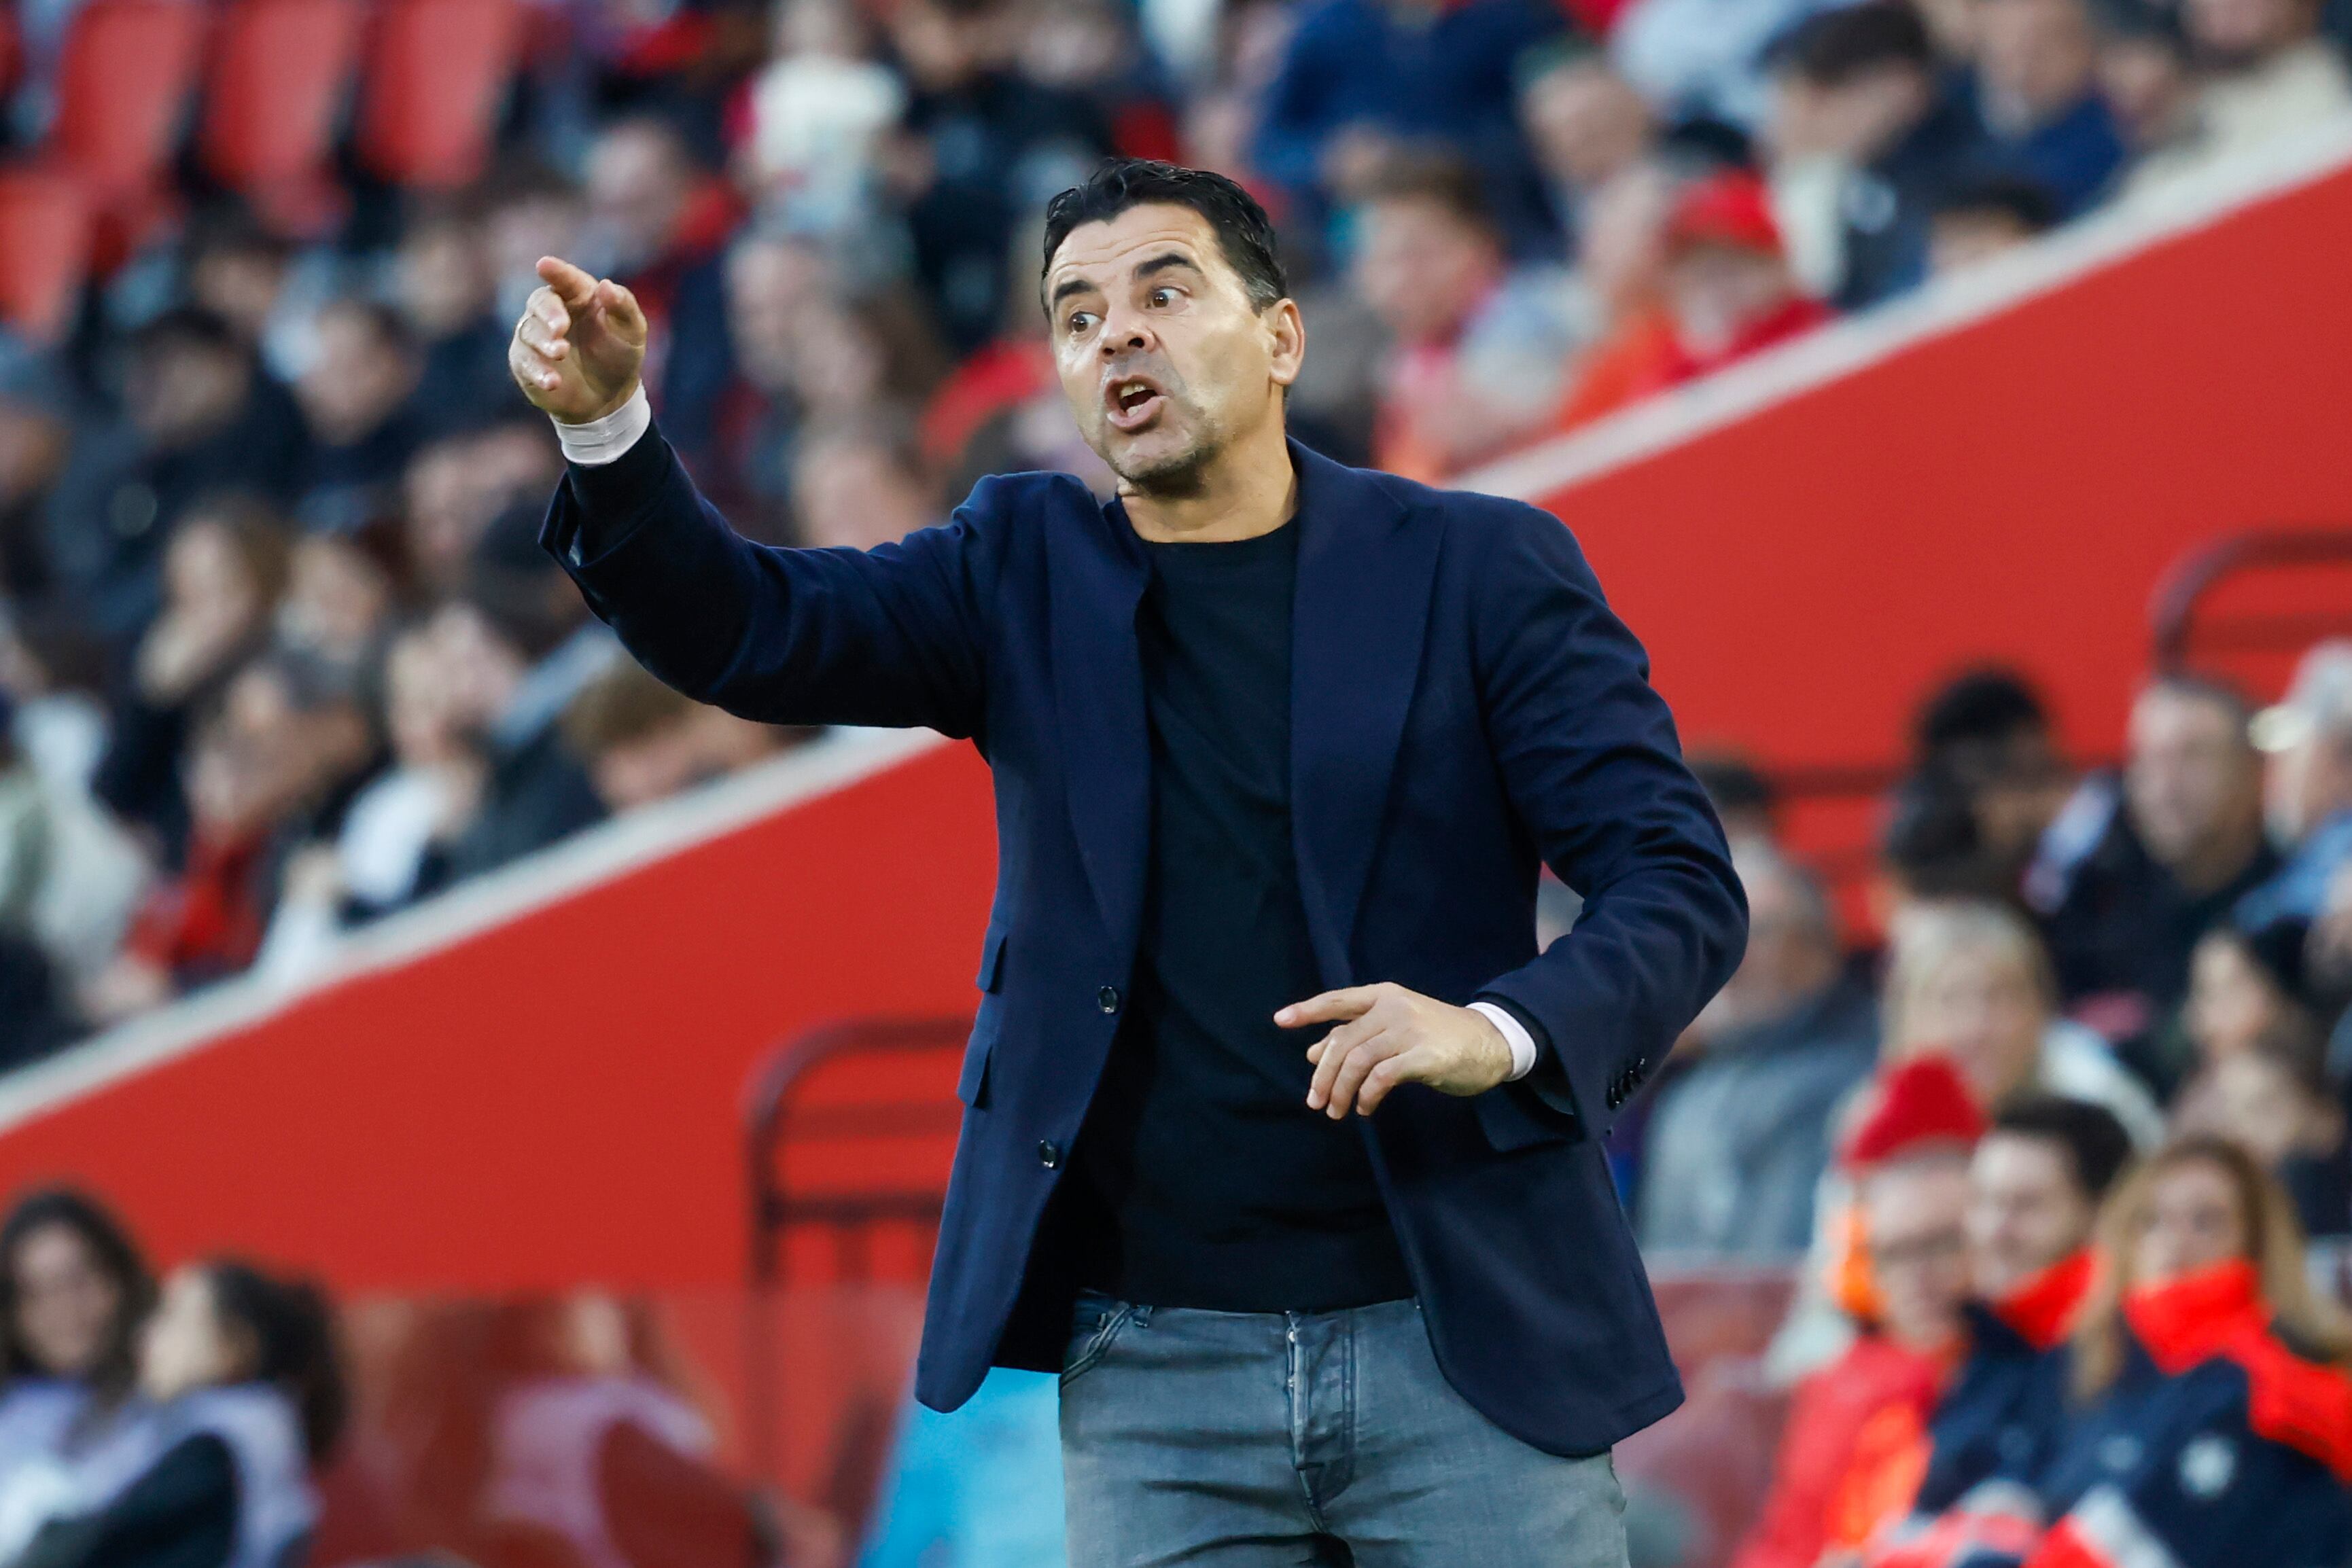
<point x="1162" y="297"/>
<point x="1080" y="320"/>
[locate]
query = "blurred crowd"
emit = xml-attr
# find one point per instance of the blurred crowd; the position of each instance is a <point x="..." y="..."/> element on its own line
<point x="279" y="655"/>
<point x="227" y="1417"/>
<point x="2067" y="1158"/>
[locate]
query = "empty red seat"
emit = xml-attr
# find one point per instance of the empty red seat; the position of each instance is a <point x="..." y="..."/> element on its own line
<point x="45" y="240"/>
<point x="122" y="90"/>
<point x="278" y="75"/>
<point x="436" y="76"/>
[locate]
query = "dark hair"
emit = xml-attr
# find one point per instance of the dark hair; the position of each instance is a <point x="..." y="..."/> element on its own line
<point x="187" y="327"/>
<point x="293" y="1338"/>
<point x="2026" y="203"/>
<point x="1245" y="233"/>
<point x="2096" y="1146"/>
<point x="1982" y="705"/>
<point x="1835" y="46"/>
<point x="1438" y="179"/>
<point x="1733" y="783"/>
<point x="1931" y="844"/>
<point x="391" y="329"/>
<point x="2219" y="691"/>
<point x="117" y="1258"/>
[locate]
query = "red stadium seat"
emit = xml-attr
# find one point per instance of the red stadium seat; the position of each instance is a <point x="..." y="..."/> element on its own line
<point x="276" y="78"/>
<point x="122" y="93"/>
<point x="436" y="73"/>
<point x="45" y="241"/>
<point x="123" y="89"/>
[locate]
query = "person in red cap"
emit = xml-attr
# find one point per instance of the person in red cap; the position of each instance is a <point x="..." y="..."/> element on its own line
<point x="1856" y="1439"/>
<point x="1727" y="293"/>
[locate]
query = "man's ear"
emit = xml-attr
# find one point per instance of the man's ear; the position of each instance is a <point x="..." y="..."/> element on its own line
<point x="1287" y="340"/>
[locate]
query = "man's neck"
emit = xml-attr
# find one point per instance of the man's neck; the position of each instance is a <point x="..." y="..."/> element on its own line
<point x="1248" y="489"/>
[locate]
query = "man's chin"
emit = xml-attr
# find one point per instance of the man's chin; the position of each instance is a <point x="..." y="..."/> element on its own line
<point x="1158" y="465"/>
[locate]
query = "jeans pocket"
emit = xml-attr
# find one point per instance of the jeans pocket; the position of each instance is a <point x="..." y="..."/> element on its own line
<point x="1095" y="1325"/>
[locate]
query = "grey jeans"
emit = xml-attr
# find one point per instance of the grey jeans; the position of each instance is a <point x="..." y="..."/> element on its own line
<point x="1316" y="1439"/>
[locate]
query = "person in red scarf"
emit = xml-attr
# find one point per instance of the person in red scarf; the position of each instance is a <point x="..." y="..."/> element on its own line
<point x="1728" y="293"/>
<point x="2035" y="1184"/>
<point x="2212" y="1423"/>
<point x="1850" y="1453"/>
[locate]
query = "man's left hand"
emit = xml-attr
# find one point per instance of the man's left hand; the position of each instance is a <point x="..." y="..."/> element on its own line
<point x="1388" y="1036"/>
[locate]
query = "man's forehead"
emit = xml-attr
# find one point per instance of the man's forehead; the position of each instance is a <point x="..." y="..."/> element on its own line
<point x="1108" y="250"/>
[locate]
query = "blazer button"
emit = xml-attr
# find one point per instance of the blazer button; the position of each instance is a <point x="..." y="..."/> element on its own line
<point x="1108" y="998"/>
<point x="1049" y="1153"/>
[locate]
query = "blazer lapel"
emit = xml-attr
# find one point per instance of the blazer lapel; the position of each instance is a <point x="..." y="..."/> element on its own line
<point x="1097" y="577"/>
<point x="1365" y="565"/>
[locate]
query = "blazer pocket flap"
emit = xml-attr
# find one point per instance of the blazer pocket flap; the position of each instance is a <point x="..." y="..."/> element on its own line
<point x="991" y="959"/>
<point x="971" y="1084"/>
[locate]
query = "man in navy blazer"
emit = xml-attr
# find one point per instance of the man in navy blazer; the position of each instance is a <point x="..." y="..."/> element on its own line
<point x="1283" y="1140"/>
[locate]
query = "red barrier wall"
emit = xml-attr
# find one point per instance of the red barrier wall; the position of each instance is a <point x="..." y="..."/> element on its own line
<point x="555" y="1100"/>
<point x="2011" y="490"/>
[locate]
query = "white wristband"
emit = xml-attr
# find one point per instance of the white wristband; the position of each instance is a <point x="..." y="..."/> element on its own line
<point x="1515" y="1035"/>
<point x="602" y="440"/>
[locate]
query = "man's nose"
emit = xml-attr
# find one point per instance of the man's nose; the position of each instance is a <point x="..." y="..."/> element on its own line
<point x="1126" y="334"/>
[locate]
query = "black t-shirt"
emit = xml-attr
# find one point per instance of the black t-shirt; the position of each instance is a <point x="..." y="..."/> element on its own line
<point x="1201" y="1178"/>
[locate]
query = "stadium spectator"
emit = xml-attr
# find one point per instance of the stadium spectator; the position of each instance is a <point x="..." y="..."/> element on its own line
<point x="2243" y="988"/>
<point x="35" y="435"/>
<point x="1861" y="87"/>
<point x="1360" y="79"/>
<point x="2273" y="1099"/>
<point x="819" y="112"/>
<point x="2036" y="95"/>
<point x="978" y="147"/>
<point x="1979" y="219"/>
<point x="1745" y="800"/>
<point x="355" y="397"/>
<point x="856" y="486"/>
<point x="1971" y="980"/>
<point x="1590" y="128"/>
<point x="2213" y="1410"/>
<point x="1704" y="59"/>
<point x="2145" y="73"/>
<point x="657" y="221"/>
<point x="1988" y="732"/>
<point x="268" y="771"/>
<point x="2132" y="877"/>
<point x="222" y="575"/>
<point x="447" y="296"/>
<point x="2035" y="1184"/>
<point x="1477" y="349"/>
<point x="643" y="742"/>
<point x="2306" y="787"/>
<point x="1738" y="1142"/>
<point x="1727" y="293"/>
<point x="2264" y="72"/>
<point x="73" y="1291"/>
<point x="244" y="1396"/>
<point x="1854" y="1427"/>
<point x="593" y="1447"/>
<point x="461" y="484"/>
<point x="534" y="791"/>
<point x="202" y="418"/>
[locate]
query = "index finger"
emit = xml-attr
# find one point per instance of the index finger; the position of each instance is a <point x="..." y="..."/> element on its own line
<point x="1331" y="1007"/>
<point x="573" y="284"/>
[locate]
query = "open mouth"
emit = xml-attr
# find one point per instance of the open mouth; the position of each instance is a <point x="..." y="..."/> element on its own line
<point x="1133" y="403"/>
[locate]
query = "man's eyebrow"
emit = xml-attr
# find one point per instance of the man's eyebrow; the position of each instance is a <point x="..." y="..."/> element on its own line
<point x="1068" y="286"/>
<point x="1160" y="264"/>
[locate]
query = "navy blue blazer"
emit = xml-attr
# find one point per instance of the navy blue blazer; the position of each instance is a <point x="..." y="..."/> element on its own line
<point x="1464" y="707"/>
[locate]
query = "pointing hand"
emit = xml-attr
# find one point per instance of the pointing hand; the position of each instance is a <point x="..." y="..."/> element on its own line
<point x="580" y="346"/>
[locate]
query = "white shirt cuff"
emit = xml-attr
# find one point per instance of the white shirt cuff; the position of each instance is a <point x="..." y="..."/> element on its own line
<point x="602" y="441"/>
<point x="1515" y="1035"/>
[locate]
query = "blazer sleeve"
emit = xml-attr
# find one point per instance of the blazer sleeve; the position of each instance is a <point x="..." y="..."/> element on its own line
<point x="1590" y="760"/>
<point x="890" y="636"/>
